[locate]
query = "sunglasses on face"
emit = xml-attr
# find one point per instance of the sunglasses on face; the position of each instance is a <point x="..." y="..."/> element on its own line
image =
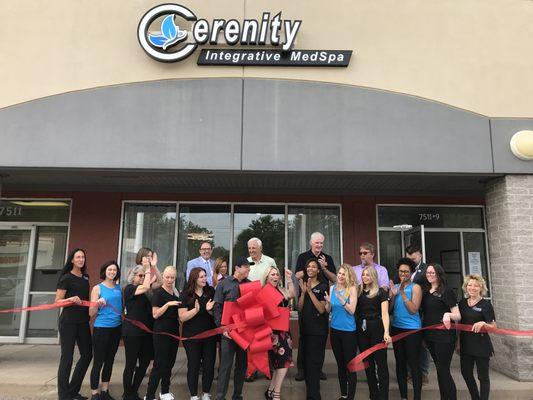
<point x="364" y="253"/>
<point x="140" y="275"/>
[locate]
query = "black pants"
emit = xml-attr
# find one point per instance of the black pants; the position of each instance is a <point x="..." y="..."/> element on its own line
<point x="442" y="354"/>
<point x="70" y="335"/>
<point x="344" y="345"/>
<point x="105" y="346"/>
<point x="467" y="370"/>
<point x="379" y="388"/>
<point x="407" y="353"/>
<point x="314" y="351"/>
<point x="229" y="351"/>
<point x="139" y="351"/>
<point x="165" y="351"/>
<point x="200" y="353"/>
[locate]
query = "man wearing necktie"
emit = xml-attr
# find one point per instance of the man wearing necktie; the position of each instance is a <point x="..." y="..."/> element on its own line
<point x="204" y="261"/>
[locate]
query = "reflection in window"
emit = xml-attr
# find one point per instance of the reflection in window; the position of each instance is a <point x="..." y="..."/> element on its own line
<point x="264" y="222"/>
<point x="148" y="225"/>
<point x="303" y="221"/>
<point x="390" y="250"/>
<point x="49" y="257"/>
<point x="198" y="223"/>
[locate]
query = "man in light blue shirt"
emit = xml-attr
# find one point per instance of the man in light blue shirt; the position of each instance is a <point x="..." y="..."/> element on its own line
<point x="204" y="261"/>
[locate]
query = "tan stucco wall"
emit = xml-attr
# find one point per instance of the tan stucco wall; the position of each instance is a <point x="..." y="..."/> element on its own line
<point x="472" y="54"/>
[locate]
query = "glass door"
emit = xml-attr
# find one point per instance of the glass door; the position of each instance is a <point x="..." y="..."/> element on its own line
<point x="16" y="253"/>
<point x="416" y="236"/>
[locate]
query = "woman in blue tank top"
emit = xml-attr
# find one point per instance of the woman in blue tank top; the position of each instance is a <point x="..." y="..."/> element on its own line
<point x="107" y="328"/>
<point x="341" y="303"/>
<point x="405" y="302"/>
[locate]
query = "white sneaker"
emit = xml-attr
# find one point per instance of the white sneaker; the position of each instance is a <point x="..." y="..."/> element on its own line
<point x="206" y="396"/>
<point x="166" y="396"/>
<point x="195" y="398"/>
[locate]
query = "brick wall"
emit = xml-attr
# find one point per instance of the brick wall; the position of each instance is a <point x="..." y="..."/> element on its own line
<point x="509" y="207"/>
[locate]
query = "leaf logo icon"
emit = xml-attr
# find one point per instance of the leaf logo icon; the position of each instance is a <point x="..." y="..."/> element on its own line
<point x="170" y="34"/>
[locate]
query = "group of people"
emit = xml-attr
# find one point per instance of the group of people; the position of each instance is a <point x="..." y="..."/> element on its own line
<point x="357" y="307"/>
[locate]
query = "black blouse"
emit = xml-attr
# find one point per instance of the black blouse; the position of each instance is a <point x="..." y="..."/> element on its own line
<point x="476" y="344"/>
<point x="434" y="305"/>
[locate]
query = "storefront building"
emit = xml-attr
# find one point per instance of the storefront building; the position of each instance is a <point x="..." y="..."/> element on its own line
<point x="385" y="122"/>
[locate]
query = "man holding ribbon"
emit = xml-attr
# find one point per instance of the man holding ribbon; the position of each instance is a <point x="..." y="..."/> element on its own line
<point x="228" y="290"/>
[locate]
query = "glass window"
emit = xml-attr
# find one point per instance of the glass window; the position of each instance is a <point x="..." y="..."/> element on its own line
<point x="198" y="223"/>
<point x="476" y="255"/>
<point x="148" y="225"/>
<point x="390" y="250"/>
<point x="264" y="222"/>
<point x="34" y="211"/>
<point x="14" y="253"/>
<point x="42" y="323"/>
<point x="431" y="217"/>
<point x="49" y="257"/>
<point x="303" y="221"/>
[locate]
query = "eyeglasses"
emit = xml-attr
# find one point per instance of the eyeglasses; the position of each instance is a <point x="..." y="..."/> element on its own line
<point x="430" y="273"/>
<point x="364" y="253"/>
<point x="205" y="249"/>
<point x="404" y="272"/>
<point x="140" y="275"/>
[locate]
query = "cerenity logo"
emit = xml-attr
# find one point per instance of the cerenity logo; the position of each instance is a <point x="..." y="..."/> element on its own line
<point x="166" y="41"/>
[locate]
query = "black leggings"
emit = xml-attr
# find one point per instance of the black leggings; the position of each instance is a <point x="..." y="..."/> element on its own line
<point x="70" y="335"/>
<point x="366" y="339"/>
<point x="442" y="354"/>
<point x="314" y="351"/>
<point x="467" y="370"/>
<point x="139" y="351"/>
<point x="105" y="345"/>
<point x="344" y="346"/>
<point x="165" y="351"/>
<point x="407" y="353"/>
<point x="200" y="353"/>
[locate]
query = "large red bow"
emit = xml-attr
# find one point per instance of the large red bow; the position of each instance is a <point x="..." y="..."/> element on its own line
<point x="258" y="308"/>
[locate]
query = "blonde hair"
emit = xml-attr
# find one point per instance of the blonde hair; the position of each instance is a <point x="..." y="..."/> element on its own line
<point x="170" y="268"/>
<point x="480" y="281"/>
<point x="374" y="287"/>
<point x="267" y="272"/>
<point x="351" y="280"/>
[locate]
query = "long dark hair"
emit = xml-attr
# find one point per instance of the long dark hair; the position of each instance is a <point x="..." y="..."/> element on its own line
<point x="441" y="278"/>
<point x="190" y="286"/>
<point x="68" y="264"/>
<point x="319" y="274"/>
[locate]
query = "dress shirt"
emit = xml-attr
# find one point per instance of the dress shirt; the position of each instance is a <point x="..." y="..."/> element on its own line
<point x="257" y="270"/>
<point x="383" y="275"/>
<point x="207" y="265"/>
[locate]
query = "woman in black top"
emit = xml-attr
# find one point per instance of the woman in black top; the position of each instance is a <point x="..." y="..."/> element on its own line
<point x="165" y="304"/>
<point x="314" y="326"/>
<point x="138" y="344"/>
<point x="439" y="305"/>
<point x="73" y="286"/>
<point x="373" y="328"/>
<point x="196" y="315"/>
<point x="476" y="347"/>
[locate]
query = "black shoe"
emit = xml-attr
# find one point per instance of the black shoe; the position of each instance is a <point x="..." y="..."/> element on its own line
<point x="79" y="397"/>
<point x="268" y="395"/>
<point x="299" y="376"/>
<point x="323" y="376"/>
<point x="250" y="378"/>
<point x="104" y="395"/>
<point x="95" y="397"/>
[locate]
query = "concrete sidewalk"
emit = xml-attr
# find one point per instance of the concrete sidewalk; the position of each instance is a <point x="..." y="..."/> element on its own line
<point x="29" y="372"/>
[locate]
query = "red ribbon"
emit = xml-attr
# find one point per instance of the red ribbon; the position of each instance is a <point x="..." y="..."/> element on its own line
<point x="258" y="312"/>
<point x="357" y="363"/>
